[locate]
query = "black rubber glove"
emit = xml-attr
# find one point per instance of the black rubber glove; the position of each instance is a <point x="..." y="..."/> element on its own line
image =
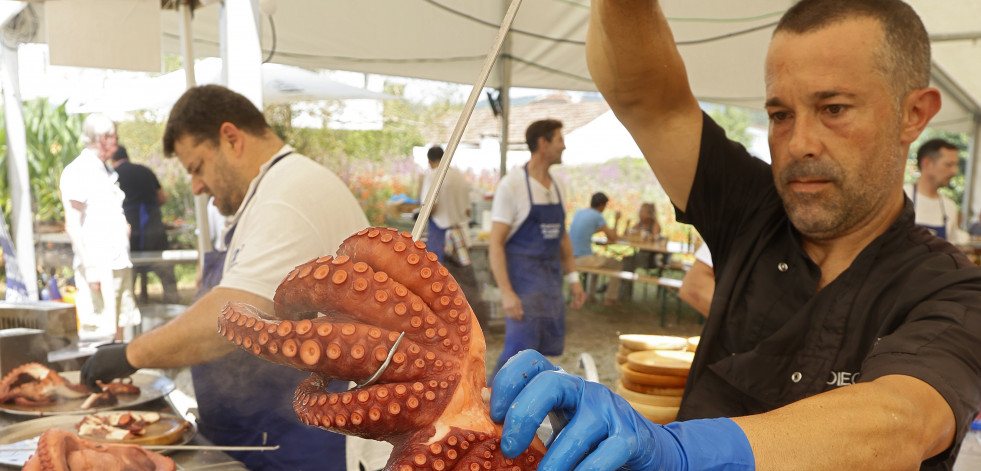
<point x="108" y="363"/>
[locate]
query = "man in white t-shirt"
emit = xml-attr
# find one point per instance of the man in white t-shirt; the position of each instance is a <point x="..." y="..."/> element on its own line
<point x="97" y="227"/>
<point x="452" y="208"/>
<point x="285" y="210"/>
<point x="938" y="161"/>
<point x="530" y="251"/>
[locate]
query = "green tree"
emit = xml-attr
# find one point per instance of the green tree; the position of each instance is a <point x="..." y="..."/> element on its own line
<point x="735" y="121"/>
<point x="52" y="143"/>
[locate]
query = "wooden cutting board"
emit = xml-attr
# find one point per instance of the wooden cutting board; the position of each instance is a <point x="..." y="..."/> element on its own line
<point x="648" y="379"/>
<point x="655" y="390"/>
<point x="661" y="362"/>
<point x="649" y="399"/>
<point x="653" y="342"/>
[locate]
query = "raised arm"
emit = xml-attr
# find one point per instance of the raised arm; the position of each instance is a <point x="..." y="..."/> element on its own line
<point x="636" y="66"/>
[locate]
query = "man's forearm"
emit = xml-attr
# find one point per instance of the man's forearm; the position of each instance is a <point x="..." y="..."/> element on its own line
<point x="894" y="422"/>
<point x="192" y="338"/>
<point x="499" y="267"/>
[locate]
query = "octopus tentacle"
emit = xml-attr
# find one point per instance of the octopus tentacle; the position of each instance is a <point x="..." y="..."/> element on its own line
<point x="339" y="317"/>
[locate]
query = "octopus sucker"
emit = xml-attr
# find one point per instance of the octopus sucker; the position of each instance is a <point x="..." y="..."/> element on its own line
<point x="383" y="300"/>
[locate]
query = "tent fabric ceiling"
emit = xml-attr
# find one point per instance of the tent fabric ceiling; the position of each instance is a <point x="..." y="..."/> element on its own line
<point x="723" y="43"/>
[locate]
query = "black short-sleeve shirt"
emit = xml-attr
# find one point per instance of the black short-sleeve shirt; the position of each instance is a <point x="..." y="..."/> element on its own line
<point x="140" y="185"/>
<point x="909" y="304"/>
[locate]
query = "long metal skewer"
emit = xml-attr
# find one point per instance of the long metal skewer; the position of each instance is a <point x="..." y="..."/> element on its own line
<point x="180" y="447"/>
<point x="461" y="124"/>
<point x="381" y="368"/>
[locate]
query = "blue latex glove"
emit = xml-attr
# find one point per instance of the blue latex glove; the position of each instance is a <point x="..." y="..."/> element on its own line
<point x="603" y="431"/>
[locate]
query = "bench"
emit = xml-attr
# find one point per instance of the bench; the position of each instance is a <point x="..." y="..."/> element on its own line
<point x="663" y="283"/>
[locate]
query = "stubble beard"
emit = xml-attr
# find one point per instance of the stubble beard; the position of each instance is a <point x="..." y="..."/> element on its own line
<point x="830" y="213"/>
<point x="231" y="192"/>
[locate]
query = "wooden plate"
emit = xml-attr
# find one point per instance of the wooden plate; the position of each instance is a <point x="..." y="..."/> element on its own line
<point x="655" y="390"/>
<point x="652" y="342"/>
<point x="661" y="362"/>
<point x="621" y="359"/>
<point x="624" y="350"/>
<point x="166" y="431"/>
<point x="656" y="414"/>
<point x="649" y="399"/>
<point x="647" y="379"/>
<point x="16" y="439"/>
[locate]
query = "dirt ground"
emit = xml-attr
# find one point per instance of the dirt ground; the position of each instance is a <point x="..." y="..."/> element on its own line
<point x="592" y="329"/>
<point x="595" y="329"/>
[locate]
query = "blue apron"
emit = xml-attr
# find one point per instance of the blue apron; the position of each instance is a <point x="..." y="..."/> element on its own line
<point x="941" y="230"/>
<point x="436" y="239"/>
<point x="535" y="270"/>
<point x="244" y="400"/>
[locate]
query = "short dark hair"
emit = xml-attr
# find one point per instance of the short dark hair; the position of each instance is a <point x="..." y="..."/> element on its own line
<point x="435" y="153"/>
<point x="598" y="199"/>
<point x="202" y="110"/>
<point x="904" y="53"/>
<point x="931" y="150"/>
<point x="542" y="128"/>
<point x="120" y="153"/>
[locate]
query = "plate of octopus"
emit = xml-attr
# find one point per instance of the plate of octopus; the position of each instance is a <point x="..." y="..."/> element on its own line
<point x="34" y="389"/>
<point x="117" y="427"/>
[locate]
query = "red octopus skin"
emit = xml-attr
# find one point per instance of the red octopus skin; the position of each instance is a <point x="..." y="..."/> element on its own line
<point x="33" y="384"/>
<point x="338" y="317"/>
<point x="61" y="450"/>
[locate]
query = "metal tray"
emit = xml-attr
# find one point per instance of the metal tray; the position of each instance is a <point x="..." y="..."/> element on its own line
<point x="19" y="441"/>
<point x="152" y="386"/>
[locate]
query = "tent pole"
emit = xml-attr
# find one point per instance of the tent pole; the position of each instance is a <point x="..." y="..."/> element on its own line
<point x="461" y="124"/>
<point x="971" y="197"/>
<point x="21" y="218"/>
<point x="241" y="50"/>
<point x="200" y="201"/>
<point x="505" y="99"/>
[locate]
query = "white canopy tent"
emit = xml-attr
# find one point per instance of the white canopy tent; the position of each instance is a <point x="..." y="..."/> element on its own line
<point x="280" y="84"/>
<point x="723" y="44"/>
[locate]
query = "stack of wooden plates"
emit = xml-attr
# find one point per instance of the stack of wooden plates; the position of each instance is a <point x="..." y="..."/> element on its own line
<point x="653" y="371"/>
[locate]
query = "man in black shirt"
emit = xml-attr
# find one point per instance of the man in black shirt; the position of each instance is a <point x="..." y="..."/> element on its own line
<point x="841" y="335"/>
<point x="144" y="196"/>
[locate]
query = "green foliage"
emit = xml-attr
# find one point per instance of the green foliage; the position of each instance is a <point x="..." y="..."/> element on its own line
<point x="52" y="143"/>
<point x="735" y="121"/>
<point x="628" y="182"/>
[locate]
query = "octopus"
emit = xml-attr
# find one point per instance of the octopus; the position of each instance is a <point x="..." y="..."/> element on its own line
<point x="383" y="305"/>
<point x="33" y="384"/>
<point x="61" y="450"/>
<point x="110" y="393"/>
